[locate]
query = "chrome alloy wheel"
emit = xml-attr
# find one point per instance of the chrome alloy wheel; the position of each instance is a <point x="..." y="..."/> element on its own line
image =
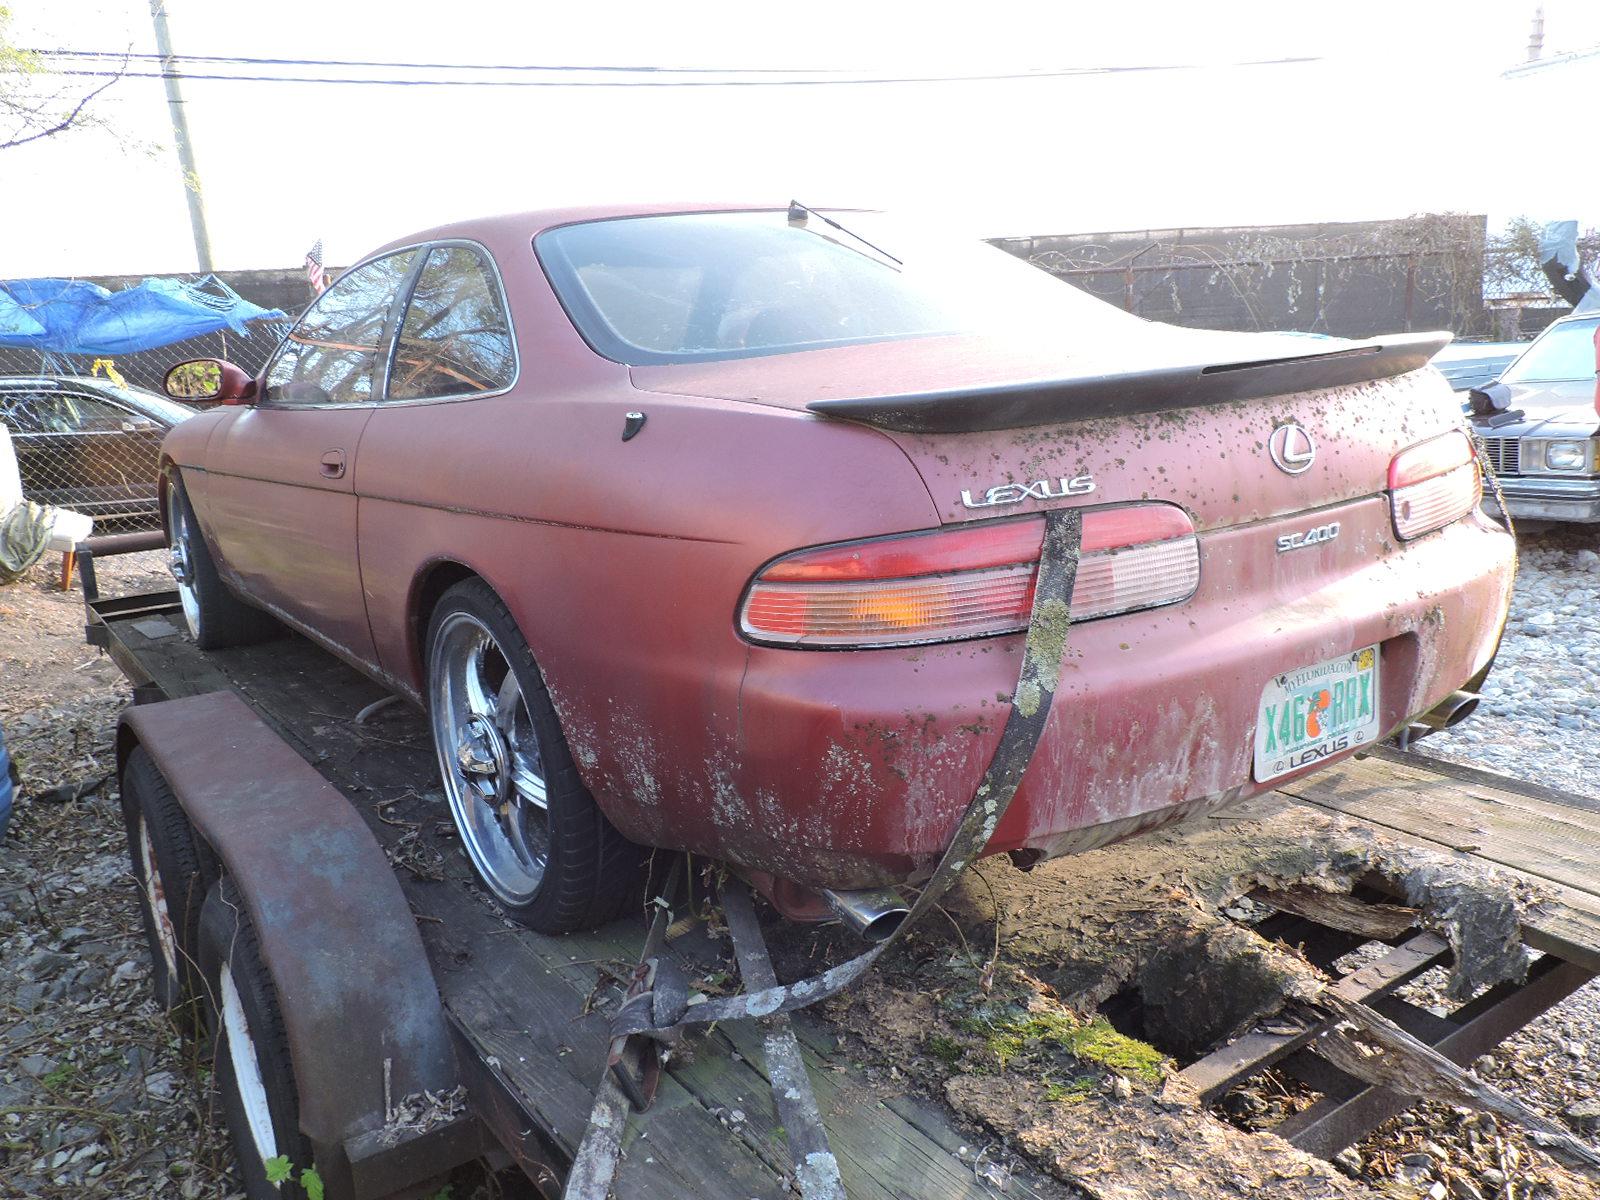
<point x="489" y="758"/>
<point x="181" y="557"/>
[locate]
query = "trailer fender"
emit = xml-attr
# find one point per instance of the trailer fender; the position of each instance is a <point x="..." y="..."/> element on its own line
<point x="335" y="930"/>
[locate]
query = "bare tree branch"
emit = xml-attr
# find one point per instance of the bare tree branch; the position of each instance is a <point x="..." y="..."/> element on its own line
<point x="66" y="122"/>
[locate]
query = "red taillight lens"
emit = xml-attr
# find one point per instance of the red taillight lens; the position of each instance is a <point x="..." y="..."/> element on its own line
<point x="1434" y="483"/>
<point x="974" y="581"/>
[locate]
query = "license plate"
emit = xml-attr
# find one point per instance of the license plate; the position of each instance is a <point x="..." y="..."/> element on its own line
<point x="1316" y="712"/>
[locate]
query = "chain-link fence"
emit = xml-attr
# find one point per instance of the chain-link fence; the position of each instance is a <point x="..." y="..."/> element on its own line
<point x="87" y="430"/>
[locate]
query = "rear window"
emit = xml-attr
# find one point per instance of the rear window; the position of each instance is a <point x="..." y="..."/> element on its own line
<point x="1563" y="353"/>
<point x="698" y="287"/>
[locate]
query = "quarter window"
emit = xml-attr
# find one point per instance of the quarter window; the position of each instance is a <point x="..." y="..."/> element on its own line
<point x="455" y="339"/>
<point x="331" y="355"/>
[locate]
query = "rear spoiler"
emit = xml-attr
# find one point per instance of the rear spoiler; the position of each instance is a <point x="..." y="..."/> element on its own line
<point x="1125" y="393"/>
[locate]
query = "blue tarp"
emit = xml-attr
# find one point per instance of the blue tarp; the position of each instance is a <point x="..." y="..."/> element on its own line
<point x="5" y="787"/>
<point x="72" y="316"/>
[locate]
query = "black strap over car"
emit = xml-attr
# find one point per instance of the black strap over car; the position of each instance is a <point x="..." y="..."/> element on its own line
<point x="662" y="1010"/>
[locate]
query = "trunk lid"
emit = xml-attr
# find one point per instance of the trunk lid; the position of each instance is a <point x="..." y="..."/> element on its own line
<point x="1190" y="425"/>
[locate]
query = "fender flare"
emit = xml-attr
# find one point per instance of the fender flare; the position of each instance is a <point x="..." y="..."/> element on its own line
<point x="337" y="935"/>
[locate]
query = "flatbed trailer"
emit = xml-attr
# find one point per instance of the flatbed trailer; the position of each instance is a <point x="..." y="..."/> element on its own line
<point x="529" y="1044"/>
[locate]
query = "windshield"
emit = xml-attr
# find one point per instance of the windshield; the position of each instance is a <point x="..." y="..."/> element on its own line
<point x="698" y="287"/>
<point x="1562" y="353"/>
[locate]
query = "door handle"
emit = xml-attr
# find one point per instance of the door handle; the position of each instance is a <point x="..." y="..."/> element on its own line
<point x="333" y="464"/>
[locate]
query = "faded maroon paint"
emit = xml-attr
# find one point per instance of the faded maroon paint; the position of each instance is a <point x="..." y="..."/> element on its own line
<point x="1213" y="461"/>
<point x="625" y="563"/>
<point x="286" y="530"/>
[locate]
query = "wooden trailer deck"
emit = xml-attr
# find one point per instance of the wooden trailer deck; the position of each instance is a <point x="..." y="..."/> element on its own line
<point x="519" y="1002"/>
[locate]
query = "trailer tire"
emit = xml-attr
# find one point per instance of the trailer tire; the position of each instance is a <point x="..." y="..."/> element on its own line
<point x="216" y="618"/>
<point x="590" y="872"/>
<point x="167" y="865"/>
<point x="254" y="1073"/>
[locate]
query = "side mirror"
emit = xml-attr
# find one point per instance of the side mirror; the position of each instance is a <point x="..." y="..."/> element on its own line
<point x="1489" y="399"/>
<point x="209" y="379"/>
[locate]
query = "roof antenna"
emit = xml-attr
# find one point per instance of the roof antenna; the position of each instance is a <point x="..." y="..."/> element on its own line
<point x="799" y="212"/>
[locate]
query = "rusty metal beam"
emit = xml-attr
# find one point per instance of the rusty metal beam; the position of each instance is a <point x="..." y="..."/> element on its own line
<point x="1335" y="1122"/>
<point x="1262" y="1047"/>
<point x="501" y="1111"/>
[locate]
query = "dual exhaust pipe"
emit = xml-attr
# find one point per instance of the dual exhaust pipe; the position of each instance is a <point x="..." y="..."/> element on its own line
<point x="1454" y="709"/>
<point x="874" y="914"/>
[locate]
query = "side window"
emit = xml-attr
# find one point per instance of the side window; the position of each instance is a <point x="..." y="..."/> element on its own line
<point x="60" y="412"/>
<point x="24" y="412"/>
<point x="331" y="355"/>
<point x="456" y="338"/>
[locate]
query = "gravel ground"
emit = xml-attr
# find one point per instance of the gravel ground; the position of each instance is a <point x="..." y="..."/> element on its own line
<point x="100" y="1098"/>
<point x="1539" y="708"/>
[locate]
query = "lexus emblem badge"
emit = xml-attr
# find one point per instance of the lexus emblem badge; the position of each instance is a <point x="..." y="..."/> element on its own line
<point x="1292" y="449"/>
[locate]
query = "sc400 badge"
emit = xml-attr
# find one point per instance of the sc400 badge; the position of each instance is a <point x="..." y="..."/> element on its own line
<point x="1309" y="537"/>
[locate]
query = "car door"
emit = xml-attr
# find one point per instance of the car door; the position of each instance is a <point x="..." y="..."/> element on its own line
<point x="280" y="507"/>
<point x="454" y="348"/>
<point x="85" y="452"/>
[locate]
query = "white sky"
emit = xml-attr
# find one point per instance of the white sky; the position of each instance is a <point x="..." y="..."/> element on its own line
<point x="1406" y="113"/>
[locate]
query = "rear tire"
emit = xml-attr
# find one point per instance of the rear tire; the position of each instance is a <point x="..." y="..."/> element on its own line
<point x="215" y="616"/>
<point x="167" y="867"/>
<point x="254" y="1073"/>
<point x="535" y="836"/>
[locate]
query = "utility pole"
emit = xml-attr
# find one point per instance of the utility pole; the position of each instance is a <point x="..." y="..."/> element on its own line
<point x="180" y="136"/>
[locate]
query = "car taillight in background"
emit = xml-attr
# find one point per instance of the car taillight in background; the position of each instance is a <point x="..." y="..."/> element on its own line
<point x="1433" y="483"/>
<point x="972" y="581"/>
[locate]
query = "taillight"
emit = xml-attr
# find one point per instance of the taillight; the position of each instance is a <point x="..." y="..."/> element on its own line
<point x="1433" y="483"/>
<point x="972" y="581"/>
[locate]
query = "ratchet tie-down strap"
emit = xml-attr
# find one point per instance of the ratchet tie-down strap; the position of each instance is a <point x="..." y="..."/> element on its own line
<point x="659" y="1015"/>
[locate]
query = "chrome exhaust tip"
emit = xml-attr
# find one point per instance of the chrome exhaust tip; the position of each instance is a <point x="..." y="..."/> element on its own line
<point x="1455" y="708"/>
<point x="874" y="914"/>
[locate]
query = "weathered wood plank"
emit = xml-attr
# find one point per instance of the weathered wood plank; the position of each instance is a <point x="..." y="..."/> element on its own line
<point x="1336" y="910"/>
<point x="1539" y="838"/>
<point x="1556" y="847"/>
<point x="1479" y="777"/>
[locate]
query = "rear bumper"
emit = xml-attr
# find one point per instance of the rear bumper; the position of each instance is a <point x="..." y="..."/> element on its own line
<point x="1540" y="499"/>
<point x="859" y="763"/>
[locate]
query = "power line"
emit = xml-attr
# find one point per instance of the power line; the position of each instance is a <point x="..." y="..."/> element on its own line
<point x="431" y="66"/>
<point x="804" y="81"/>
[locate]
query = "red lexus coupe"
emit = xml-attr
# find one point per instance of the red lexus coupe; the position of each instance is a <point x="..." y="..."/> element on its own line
<point x="715" y="528"/>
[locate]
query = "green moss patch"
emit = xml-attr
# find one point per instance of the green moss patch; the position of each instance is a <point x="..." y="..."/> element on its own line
<point x="1018" y="1022"/>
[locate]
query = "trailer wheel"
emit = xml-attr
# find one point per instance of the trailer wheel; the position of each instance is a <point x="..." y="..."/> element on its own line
<point x="167" y="868"/>
<point x="534" y="834"/>
<point x="254" y="1074"/>
<point x="215" y="616"/>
